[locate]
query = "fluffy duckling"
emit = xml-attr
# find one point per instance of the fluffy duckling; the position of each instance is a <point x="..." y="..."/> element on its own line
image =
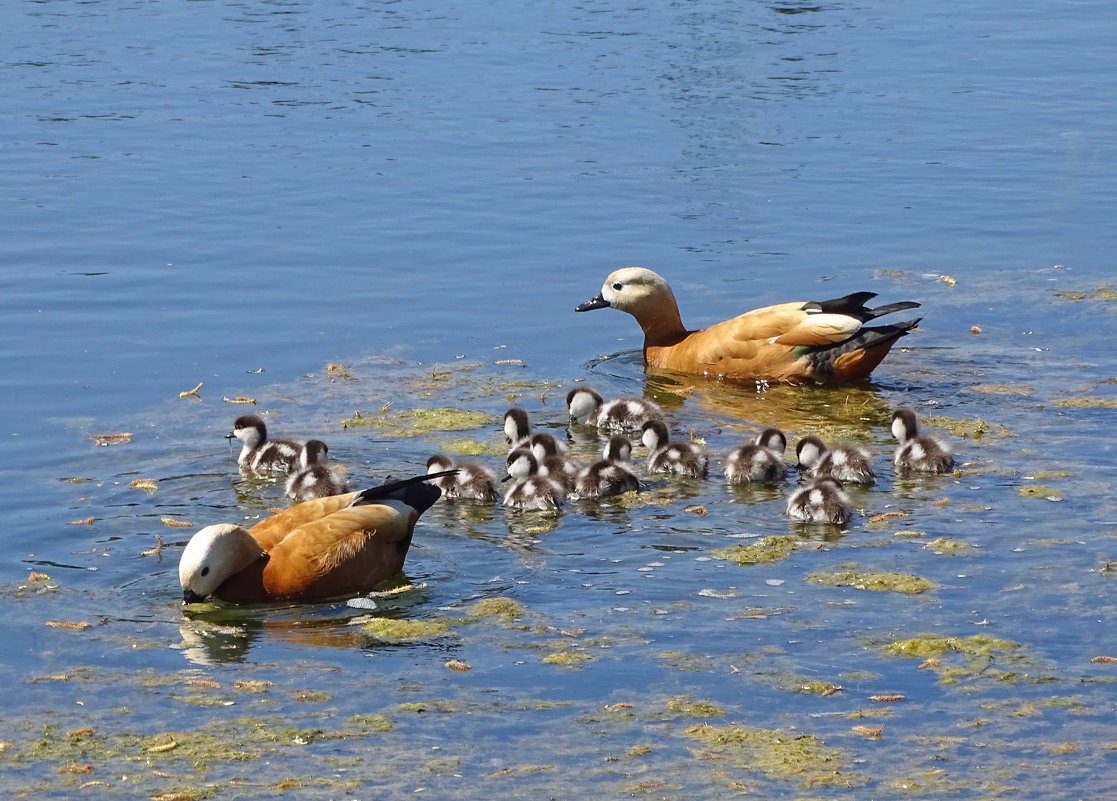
<point x="794" y="342"/>
<point x="327" y="547"/>
<point x="618" y="416"/>
<point x="918" y="453"/>
<point x="759" y="460"/>
<point x="260" y="453"/>
<point x="543" y="445"/>
<point x="672" y="456"/>
<point x="315" y="477"/>
<point x="471" y="482"/>
<point x="821" y="501"/>
<point x="847" y="463"/>
<point x="610" y="476"/>
<point x="517" y="427"/>
<point x="531" y="489"/>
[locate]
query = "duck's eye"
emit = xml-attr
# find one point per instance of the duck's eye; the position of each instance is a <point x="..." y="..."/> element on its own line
<point x="618" y="286"/>
<point x="205" y="570"/>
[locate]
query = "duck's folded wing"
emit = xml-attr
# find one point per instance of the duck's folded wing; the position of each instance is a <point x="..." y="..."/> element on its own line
<point x="819" y="329"/>
<point x="273" y="530"/>
<point x="348" y="552"/>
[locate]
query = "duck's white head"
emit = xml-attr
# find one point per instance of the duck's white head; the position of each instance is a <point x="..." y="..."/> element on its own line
<point x="314" y="451"/>
<point x="517" y="426"/>
<point x="617" y="449"/>
<point x="904" y="426"/>
<point x="810" y="450"/>
<point x="583" y="401"/>
<point x="250" y="430"/>
<point x="543" y="445"/>
<point x="772" y="439"/>
<point x="438" y="463"/>
<point x="654" y="434"/>
<point x="634" y="290"/>
<point x="214" y="554"/>
<point x="521" y="463"/>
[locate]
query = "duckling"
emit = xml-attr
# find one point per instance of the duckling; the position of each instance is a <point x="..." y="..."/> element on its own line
<point x="517" y="427"/>
<point x="848" y="463"/>
<point x="260" y="453"/>
<point x="531" y="489"/>
<point x="619" y="415"/>
<point x="315" y="478"/>
<point x="918" y="453"/>
<point x="543" y="445"/>
<point x="610" y="476"/>
<point x="318" y="549"/>
<point x="821" y="501"/>
<point x="822" y="341"/>
<point x="472" y="481"/>
<point x="672" y="456"/>
<point x="759" y="460"/>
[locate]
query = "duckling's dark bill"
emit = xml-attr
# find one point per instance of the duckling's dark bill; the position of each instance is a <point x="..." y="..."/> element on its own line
<point x="593" y="303"/>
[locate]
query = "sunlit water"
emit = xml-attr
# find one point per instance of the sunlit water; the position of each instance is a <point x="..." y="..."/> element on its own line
<point x="238" y="194"/>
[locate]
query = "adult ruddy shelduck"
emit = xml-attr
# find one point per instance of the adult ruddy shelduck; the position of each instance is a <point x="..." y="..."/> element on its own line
<point x="324" y="548"/>
<point x="822" y="341"/>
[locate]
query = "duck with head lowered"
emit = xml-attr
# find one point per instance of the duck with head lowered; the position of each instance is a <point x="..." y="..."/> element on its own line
<point x="324" y="548"/>
<point x="820" y="340"/>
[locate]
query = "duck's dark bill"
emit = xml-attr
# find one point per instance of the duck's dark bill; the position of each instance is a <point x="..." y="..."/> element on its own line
<point x="191" y="597"/>
<point x="593" y="303"/>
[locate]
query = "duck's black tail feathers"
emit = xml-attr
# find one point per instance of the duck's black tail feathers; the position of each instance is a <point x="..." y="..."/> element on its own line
<point x="854" y="306"/>
<point x="415" y="492"/>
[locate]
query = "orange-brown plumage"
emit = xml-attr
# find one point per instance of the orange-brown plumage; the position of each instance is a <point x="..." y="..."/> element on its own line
<point x="328" y="547"/>
<point x="788" y="342"/>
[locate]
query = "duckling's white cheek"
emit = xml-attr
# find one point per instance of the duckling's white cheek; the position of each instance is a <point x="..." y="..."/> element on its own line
<point x="899" y="430"/>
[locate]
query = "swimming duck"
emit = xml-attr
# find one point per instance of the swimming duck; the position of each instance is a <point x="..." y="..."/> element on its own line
<point x="847" y="463"/>
<point x="759" y="460"/>
<point x="672" y="456"/>
<point x="472" y="482"/>
<point x="260" y="453"/>
<point x="315" y="478"/>
<point x="611" y="475"/>
<point x="918" y="453"/>
<point x="618" y="416"/>
<point x="821" y="501"/>
<point x="531" y="489"/>
<point x="794" y="342"/>
<point x="517" y="427"/>
<point x="328" y="547"/>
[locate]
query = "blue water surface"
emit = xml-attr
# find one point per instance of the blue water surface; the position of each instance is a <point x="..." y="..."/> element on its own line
<point x="238" y="193"/>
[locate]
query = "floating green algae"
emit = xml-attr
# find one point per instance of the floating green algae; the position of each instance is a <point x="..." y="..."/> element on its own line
<point x="393" y="630"/>
<point x="968" y="428"/>
<point x="768" y="549"/>
<point x="873" y="580"/>
<point x="1087" y="402"/>
<point x="687" y="707"/>
<point x="1040" y="491"/>
<point x="965" y="659"/>
<point x="1003" y="389"/>
<point x="567" y="657"/>
<point x="473" y="447"/>
<point x="950" y="547"/>
<point x="1102" y="293"/>
<point x="777" y="754"/>
<point x="421" y="421"/>
<point x="505" y="609"/>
